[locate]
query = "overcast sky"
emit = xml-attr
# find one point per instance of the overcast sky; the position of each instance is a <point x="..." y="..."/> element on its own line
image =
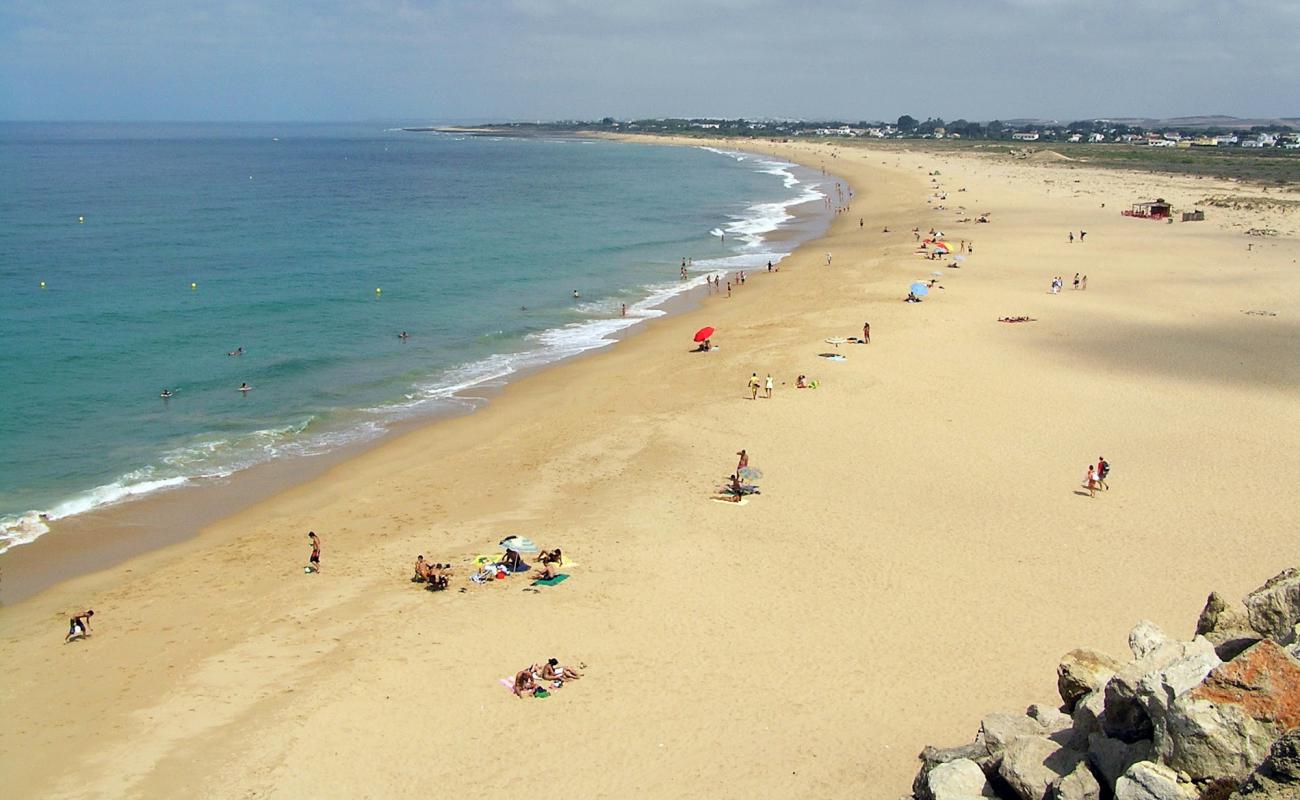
<point x="444" y="60"/>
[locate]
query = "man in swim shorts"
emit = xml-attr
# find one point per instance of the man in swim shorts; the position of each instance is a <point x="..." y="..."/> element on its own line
<point x="314" y="564"/>
<point x="79" y="625"/>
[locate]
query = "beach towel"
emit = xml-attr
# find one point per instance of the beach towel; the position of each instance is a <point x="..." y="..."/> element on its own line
<point x="729" y="501"/>
<point x="561" y="578"/>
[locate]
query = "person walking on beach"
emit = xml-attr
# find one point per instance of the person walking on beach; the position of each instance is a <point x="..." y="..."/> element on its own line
<point x="313" y="563"/>
<point x="1071" y="237"/>
<point x="1083" y="282"/>
<point x="866" y="333"/>
<point x="1076" y="281"/>
<point x="1082" y="233"/>
<point x="1090" y="480"/>
<point x="1103" y="470"/>
<point x="767" y="386"/>
<point x="754" y="383"/>
<point x="79" y="625"/>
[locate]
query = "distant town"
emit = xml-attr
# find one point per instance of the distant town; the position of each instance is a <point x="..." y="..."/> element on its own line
<point x="1216" y="132"/>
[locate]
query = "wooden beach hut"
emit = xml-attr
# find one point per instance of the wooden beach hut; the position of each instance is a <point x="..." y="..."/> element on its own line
<point x="1156" y="209"/>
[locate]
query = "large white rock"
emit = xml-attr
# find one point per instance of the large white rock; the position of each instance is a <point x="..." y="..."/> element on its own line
<point x="1080" y="784"/>
<point x="1148" y="781"/>
<point x="1031" y="764"/>
<point x="1138" y="695"/>
<point x="1145" y="638"/>
<point x="958" y="780"/>
<point x="1274" y="608"/>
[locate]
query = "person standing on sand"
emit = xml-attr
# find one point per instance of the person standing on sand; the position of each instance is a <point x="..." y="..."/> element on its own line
<point x="1071" y="237"/>
<point x="767" y="386"/>
<point x="1083" y="282"/>
<point x="313" y="563"/>
<point x="728" y="288"/>
<point x="1076" y="281"/>
<point x="79" y="625"/>
<point x="743" y="462"/>
<point x="754" y="383"/>
<point x="866" y="333"/>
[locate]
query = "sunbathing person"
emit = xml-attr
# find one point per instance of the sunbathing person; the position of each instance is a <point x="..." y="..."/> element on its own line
<point x="553" y="671"/>
<point x="801" y="382"/>
<point x="525" y="683"/>
<point x="421" y="570"/>
<point x="437" y="577"/>
<point x="551" y="562"/>
<point x="513" y="561"/>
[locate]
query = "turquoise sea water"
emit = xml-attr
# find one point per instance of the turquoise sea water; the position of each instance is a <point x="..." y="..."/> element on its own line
<point x="287" y="231"/>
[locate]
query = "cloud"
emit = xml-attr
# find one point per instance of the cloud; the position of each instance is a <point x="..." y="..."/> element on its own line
<point x="431" y="59"/>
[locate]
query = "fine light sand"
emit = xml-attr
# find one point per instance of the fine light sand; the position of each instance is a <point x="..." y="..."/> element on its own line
<point x="921" y="553"/>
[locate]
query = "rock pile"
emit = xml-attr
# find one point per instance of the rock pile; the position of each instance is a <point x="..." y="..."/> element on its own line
<point x="1216" y="718"/>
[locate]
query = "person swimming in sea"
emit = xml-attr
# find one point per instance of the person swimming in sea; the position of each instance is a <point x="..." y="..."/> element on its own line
<point x="166" y="394"/>
<point x="243" y="387"/>
<point x="575" y="294"/>
<point x="403" y="336"/>
<point x="238" y="351"/>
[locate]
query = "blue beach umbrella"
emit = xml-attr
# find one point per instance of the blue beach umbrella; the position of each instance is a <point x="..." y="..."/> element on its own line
<point x="920" y="289"/>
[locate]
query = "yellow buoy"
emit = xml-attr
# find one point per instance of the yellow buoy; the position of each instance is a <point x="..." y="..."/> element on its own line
<point x="378" y="290"/>
<point x="194" y="285"/>
<point x="81" y="220"/>
<point x="42" y="284"/>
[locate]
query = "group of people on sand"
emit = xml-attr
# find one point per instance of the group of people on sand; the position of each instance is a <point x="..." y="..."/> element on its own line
<point x="1095" y="477"/>
<point x="755" y="384"/>
<point x="1080" y="282"/>
<point x="538" y="680"/>
<point x="739" y="483"/>
<point x="436" y="577"/>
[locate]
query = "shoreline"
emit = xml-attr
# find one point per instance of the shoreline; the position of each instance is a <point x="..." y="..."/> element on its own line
<point x="109" y="535"/>
<point x="919" y="519"/>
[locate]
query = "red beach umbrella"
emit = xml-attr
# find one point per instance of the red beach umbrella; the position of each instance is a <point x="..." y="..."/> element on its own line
<point x="703" y="333"/>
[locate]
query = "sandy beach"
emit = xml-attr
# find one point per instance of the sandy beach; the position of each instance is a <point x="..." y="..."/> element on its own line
<point x="921" y="553"/>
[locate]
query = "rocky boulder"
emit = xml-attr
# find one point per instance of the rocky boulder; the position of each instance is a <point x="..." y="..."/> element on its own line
<point x="1032" y="764"/>
<point x="1111" y="758"/>
<point x="1278" y="778"/>
<point x="1144" y="688"/>
<point x="1274" y="608"/>
<point x="1146" y="780"/>
<point x="999" y="730"/>
<point x="1226" y="627"/>
<point x="1225" y="726"/>
<point x="1080" y="784"/>
<point x="1082" y="672"/>
<point x="959" y="779"/>
<point x="932" y="758"/>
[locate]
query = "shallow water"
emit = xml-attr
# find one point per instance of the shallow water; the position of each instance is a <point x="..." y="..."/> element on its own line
<point x="162" y="248"/>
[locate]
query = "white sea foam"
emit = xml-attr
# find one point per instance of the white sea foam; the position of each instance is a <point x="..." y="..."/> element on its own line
<point x="223" y="456"/>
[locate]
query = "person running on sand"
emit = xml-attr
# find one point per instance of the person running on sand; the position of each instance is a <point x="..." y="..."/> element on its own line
<point x="754" y="383"/>
<point x="767" y="386"/>
<point x="79" y="625"/>
<point x="313" y="563"/>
